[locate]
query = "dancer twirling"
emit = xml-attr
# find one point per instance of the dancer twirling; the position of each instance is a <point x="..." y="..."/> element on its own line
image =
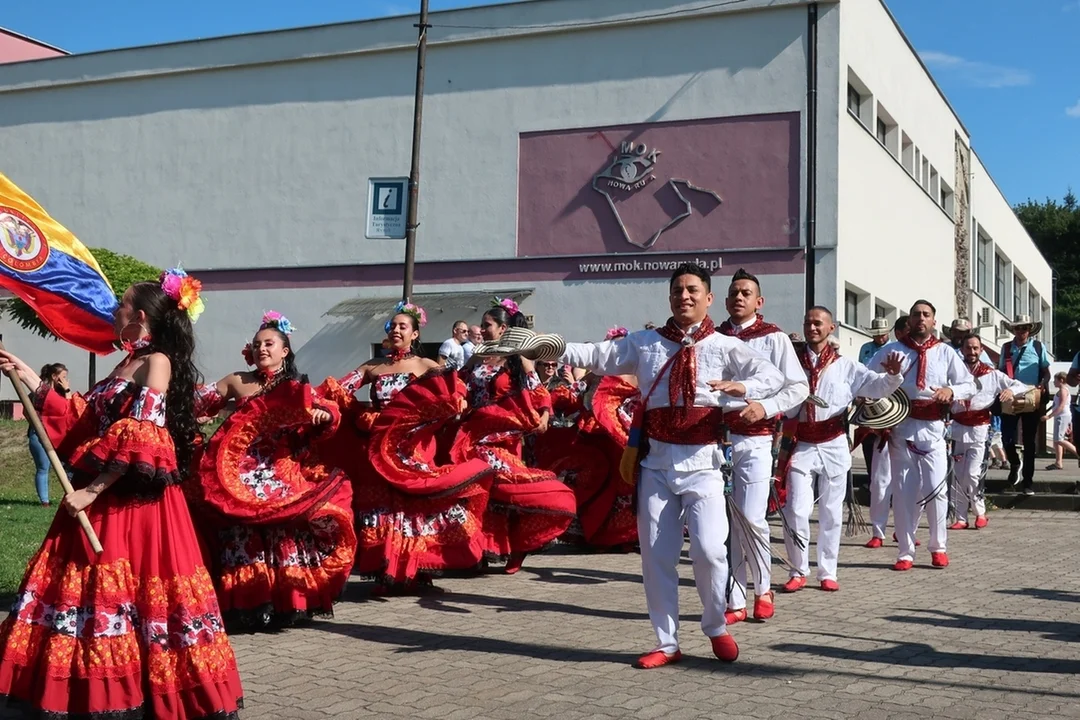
<point x="752" y="431"/>
<point x="136" y="631"/>
<point x="971" y="424"/>
<point x="680" y="475"/>
<point x="822" y="447"/>
<point x="278" y="524"/>
<point x="934" y="377"/>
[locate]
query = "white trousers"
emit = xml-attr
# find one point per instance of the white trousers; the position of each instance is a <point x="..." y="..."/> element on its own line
<point x="664" y="497"/>
<point x="968" y="459"/>
<point x="751" y="482"/>
<point x="800" y="504"/>
<point x="919" y="474"/>
<point x="881" y="488"/>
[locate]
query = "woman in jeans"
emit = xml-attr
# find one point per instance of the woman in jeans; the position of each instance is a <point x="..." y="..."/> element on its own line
<point x="56" y="375"/>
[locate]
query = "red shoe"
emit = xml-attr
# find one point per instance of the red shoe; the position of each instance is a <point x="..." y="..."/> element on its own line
<point x="875" y="542"/>
<point x="734" y="616"/>
<point x="763" y="610"/>
<point x="725" y="648"/>
<point x="939" y="559"/>
<point x="795" y="584"/>
<point x="902" y="565"/>
<point x="958" y="525"/>
<point x="830" y="585"/>
<point x="514" y="563"/>
<point x="981" y="522"/>
<point x="657" y="658"/>
<point x="917" y="543"/>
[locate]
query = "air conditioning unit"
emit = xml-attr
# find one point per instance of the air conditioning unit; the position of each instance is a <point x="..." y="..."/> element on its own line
<point x="985" y="317"/>
<point x="1003" y="330"/>
<point x="529" y="321"/>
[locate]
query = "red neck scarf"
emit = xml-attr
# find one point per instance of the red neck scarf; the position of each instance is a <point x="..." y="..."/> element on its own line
<point x="682" y="382"/>
<point x="920" y="378"/>
<point x="813" y="372"/>
<point x="758" y="329"/>
<point x="981" y="369"/>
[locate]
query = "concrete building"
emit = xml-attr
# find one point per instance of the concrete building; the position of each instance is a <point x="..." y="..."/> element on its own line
<point x="573" y="152"/>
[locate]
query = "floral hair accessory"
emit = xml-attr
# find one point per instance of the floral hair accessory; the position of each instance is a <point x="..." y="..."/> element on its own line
<point x="506" y="304"/>
<point x="274" y="319"/>
<point x="411" y="309"/>
<point x="616" y="332"/>
<point x="185" y="290"/>
<point x="249" y="358"/>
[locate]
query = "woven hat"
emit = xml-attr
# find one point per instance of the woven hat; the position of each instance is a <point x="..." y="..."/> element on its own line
<point x="879" y="326"/>
<point x="1025" y="321"/>
<point x="961" y="325"/>
<point x="882" y="414"/>
<point x="525" y="342"/>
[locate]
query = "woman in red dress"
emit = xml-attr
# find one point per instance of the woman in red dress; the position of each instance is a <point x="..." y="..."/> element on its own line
<point x="415" y="515"/>
<point x="528" y="507"/>
<point x="136" y="631"/>
<point x="277" y="520"/>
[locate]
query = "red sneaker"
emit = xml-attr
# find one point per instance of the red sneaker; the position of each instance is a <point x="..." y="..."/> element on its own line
<point x="734" y="616"/>
<point x="514" y="563"/>
<point x="764" y="609"/>
<point x="958" y="525"/>
<point x="981" y="522"/>
<point x="657" y="658"/>
<point x="917" y="543"/>
<point x="939" y="559"/>
<point x="725" y="647"/>
<point x="902" y="565"/>
<point x="830" y="585"/>
<point x="875" y="542"/>
<point x="795" y="584"/>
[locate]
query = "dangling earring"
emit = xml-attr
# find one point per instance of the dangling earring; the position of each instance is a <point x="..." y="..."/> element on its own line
<point x="141" y="340"/>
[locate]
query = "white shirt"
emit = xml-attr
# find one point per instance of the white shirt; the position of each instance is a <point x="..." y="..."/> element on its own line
<point x="468" y="349"/>
<point x="453" y="352"/>
<point x="777" y="349"/>
<point x="988" y="386"/>
<point x="843" y="381"/>
<point x="645" y="353"/>
<point x="944" y="368"/>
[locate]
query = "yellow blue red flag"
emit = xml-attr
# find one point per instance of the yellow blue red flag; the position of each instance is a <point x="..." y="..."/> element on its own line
<point x="54" y="273"/>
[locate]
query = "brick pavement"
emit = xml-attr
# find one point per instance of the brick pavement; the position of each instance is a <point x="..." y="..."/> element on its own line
<point x="996" y="635"/>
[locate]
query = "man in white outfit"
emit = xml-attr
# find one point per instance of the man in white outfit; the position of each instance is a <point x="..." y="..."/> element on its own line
<point x="880" y="468"/>
<point x="971" y="424"/>
<point x="751" y="432"/>
<point x="934" y="378"/>
<point x="822" y="448"/>
<point x="686" y="372"/>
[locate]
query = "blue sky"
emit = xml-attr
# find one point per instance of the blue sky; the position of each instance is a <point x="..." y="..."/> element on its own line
<point x="1009" y="67"/>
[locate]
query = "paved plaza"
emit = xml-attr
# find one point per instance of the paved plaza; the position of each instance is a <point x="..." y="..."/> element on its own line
<point x="995" y="635"/>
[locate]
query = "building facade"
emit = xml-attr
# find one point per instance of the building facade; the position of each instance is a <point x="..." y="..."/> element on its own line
<point x="573" y="152"/>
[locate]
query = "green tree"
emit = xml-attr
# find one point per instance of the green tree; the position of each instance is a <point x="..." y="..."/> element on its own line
<point x="121" y="270"/>
<point x="1055" y="228"/>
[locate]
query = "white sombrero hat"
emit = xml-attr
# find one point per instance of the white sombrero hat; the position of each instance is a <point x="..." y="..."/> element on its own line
<point x="882" y="414"/>
<point x="1025" y="320"/>
<point x="525" y="342"/>
<point x="879" y="326"/>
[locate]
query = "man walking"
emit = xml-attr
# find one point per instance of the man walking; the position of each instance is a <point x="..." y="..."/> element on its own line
<point x="452" y="351"/>
<point x="1025" y="359"/>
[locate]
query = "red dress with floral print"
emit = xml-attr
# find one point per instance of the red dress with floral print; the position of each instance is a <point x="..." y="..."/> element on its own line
<point x="528" y="507"/>
<point x="277" y="519"/>
<point x="135" y="632"/>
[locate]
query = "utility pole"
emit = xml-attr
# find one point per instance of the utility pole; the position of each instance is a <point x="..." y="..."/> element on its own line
<point x="414" y="172"/>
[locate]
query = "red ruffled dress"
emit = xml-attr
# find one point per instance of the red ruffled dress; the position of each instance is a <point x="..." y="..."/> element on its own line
<point x="416" y="513"/>
<point x="277" y="519"/>
<point x="528" y="507"/>
<point x="135" y="632"/>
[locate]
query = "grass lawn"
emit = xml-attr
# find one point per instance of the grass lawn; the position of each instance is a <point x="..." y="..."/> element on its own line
<point x="23" y="521"/>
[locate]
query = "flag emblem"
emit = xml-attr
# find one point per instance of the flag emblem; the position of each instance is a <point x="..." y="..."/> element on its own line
<point x="22" y="245"/>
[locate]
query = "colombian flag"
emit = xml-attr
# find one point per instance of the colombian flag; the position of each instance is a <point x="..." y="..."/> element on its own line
<point x="46" y="266"/>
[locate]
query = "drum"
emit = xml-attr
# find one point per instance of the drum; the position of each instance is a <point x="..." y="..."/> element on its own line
<point x="1028" y="402"/>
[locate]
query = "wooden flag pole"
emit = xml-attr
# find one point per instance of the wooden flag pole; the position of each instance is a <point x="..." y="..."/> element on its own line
<point x="54" y="459"/>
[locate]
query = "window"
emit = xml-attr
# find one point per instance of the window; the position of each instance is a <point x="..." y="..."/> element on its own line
<point x="982" y="270"/>
<point x="854" y="100"/>
<point x="851" y="308"/>
<point x="918" y="166"/>
<point x="860" y="100"/>
<point x="887" y="131"/>
<point x="907" y="154"/>
<point x="1001" y="272"/>
<point x="880" y="311"/>
<point x="1018" y="294"/>
<point x="947" y="198"/>
<point x="925" y="176"/>
<point x="934" y="185"/>
<point x="1046" y="319"/>
<point x="1035" y="306"/>
<point x="882" y="131"/>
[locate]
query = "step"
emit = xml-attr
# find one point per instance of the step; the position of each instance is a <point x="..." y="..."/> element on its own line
<point x="1042" y="483"/>
<point x="1041" y="500"/>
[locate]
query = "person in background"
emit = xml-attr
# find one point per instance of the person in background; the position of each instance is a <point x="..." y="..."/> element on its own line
<point x="1073" y="379"/>
<point x="474" y="339"/>
<point x="1060" y="412"/>
<point x="1024" y="358"/>
<point x="959" y="331"/>
<point x="998" y="461"/>
<point x="452" y="351"/>
<point x="56" y="377"/>
<point x="879" y="335"/>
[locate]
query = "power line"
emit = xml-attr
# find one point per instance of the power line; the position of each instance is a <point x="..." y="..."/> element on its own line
<point x="594" y="23"/>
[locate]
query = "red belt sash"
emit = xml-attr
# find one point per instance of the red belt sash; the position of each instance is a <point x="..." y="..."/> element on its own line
<point x="738" y="426"/>
<point x="972" y="418"/>
<point x="928" y="410"/>
<point x="684" y="426"/>
<point x="819" y="432"/>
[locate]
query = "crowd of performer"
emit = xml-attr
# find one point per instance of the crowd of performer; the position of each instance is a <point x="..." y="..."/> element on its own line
<point x="635" y="441"/>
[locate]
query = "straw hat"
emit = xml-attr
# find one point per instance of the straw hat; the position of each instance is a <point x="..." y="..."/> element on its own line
<point x="1025" y="321"/>
<point x="879" y="326"/>
<point x="525" y="342"/>
<point x="882" y="414"/>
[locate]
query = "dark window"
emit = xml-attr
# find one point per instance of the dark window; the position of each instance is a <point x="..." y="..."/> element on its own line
<point x="1000" y="273"/>
<point x="854" y="100"/>
<point x="882" y="131"/>
<point x="851" y="308"/>
<point x="880" y="312"/>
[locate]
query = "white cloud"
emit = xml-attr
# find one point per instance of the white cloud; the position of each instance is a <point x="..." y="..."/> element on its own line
<point x="975" y="73"/>
<point x="1073" y="111"/>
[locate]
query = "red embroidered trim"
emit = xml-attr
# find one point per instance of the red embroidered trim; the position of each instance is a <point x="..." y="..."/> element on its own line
<point x="682" y="381"/>
<point x="928" y="410"/>
<point x="813" y="372"/>
<point x="972" y="418"/>
<point x="758" y="329"/>
<point x="684" y="426"/>
<point x="819" y="432"/>
<point x="920" y="380"/>
<point x="738" y="426"/>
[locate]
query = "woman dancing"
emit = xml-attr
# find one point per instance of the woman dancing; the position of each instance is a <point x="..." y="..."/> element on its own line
<point x="277" y="520"/>
<point x="136" y="631"/>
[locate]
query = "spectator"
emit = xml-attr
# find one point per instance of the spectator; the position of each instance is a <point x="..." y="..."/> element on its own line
<point x="998" y="461"/>
<point x="1060" y="412"/>
<point x="452" y="351"/>
<point x="958" y="332"/>
<point x="57" y="375"/>
<point x="1024" y="359"/>
<point x="879" y="335"/>
<point x="475" y="338"/>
